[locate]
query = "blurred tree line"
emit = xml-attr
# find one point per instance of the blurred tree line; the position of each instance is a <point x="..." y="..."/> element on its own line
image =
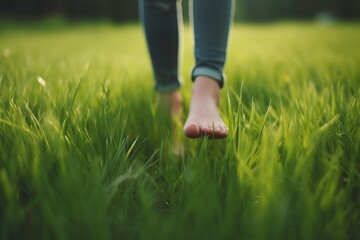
<point x="127" y="10"/>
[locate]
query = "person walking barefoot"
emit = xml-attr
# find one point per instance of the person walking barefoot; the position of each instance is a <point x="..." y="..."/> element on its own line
<point x="211" y="20"/>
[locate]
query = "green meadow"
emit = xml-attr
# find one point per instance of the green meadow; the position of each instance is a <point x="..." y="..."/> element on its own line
<point x="85" y="154"/>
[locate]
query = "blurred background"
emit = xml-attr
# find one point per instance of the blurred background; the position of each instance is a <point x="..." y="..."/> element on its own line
<point x="127" y="10"/>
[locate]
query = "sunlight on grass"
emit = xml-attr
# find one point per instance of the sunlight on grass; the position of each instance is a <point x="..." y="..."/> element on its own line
<point x="84" y="154"/>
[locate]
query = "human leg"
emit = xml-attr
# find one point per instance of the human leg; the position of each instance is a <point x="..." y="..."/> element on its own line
<point x="161" y="19"/>
<point x="211" y="23"/>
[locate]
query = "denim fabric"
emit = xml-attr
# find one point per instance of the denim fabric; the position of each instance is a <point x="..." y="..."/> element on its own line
<point x="162" y="21"/>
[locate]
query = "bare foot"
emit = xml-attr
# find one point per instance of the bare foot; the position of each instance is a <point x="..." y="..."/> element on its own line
<point x="204" y="118"/>
<point x="170" y="105"/>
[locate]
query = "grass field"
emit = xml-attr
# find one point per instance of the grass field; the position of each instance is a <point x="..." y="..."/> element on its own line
<point x="84" y="154"/>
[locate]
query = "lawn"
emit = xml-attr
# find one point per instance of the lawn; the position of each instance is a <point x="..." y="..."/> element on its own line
<point x="85" y="154"/>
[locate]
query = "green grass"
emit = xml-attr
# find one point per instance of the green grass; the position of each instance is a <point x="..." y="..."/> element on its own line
<point x="83" y="155"/>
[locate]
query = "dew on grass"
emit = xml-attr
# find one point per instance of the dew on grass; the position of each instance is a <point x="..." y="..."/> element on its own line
<point x="41" y="81"/>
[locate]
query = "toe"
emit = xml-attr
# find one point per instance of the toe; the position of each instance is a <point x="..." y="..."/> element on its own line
<point x="214" y="132"/>
<point x="223" y="132"/>
<point x="192" y="130"/>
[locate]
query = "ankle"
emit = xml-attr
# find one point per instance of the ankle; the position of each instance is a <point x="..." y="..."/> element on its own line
<point x="206" y="87"/>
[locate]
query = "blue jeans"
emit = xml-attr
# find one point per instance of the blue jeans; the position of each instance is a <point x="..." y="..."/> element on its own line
<point x="162" y="19"/>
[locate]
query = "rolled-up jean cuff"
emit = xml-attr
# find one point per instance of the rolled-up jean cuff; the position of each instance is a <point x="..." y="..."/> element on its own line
<point x="168" y="87"/>
<point x="208" y="72"/>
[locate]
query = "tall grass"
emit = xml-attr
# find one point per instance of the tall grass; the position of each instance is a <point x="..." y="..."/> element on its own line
<point x="84" y="154"/>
